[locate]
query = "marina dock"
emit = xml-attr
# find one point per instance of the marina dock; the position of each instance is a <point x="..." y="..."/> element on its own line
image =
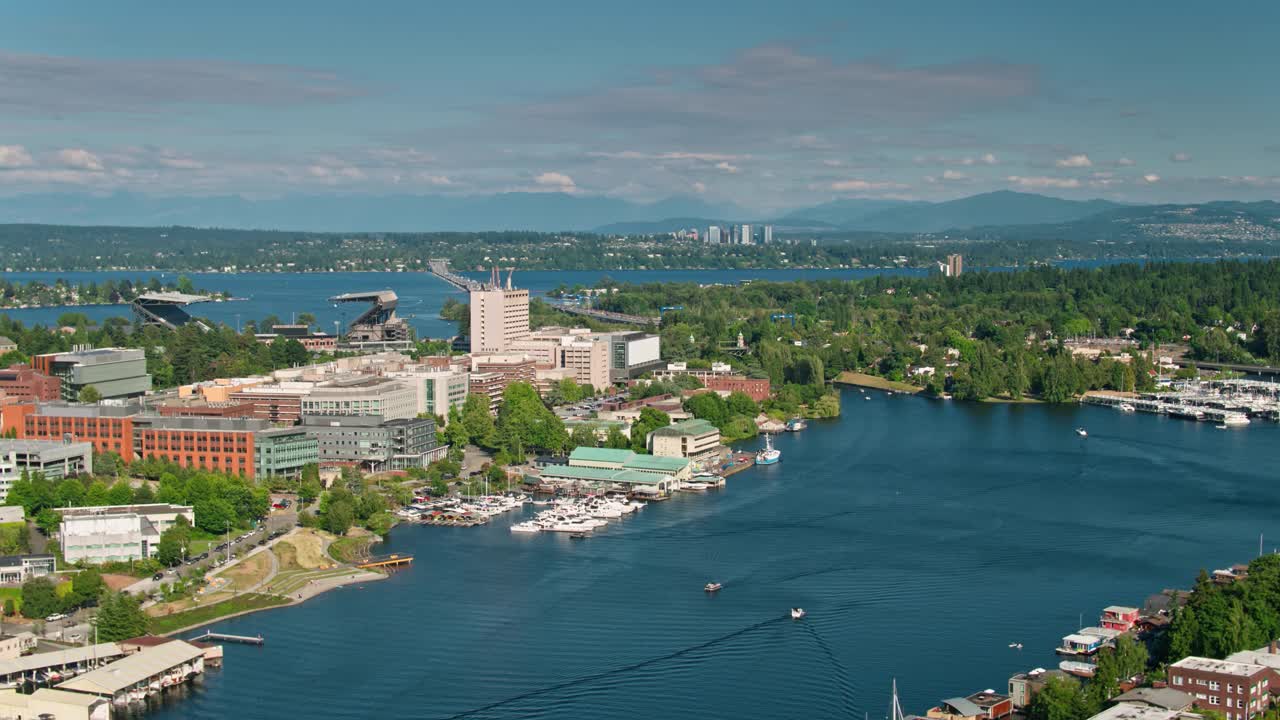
<point x="1226" y="402"/>
<point x="210" y="636"/>
<point x="386" y="561"/>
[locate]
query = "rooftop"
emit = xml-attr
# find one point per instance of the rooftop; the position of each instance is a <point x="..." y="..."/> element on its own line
<point x="134" y="669"/>
<point x="1120" y="610"/>
<point x="654" y="462"/>
<point x="49" y="695"/>
<point x="964" y="706"/>
<point x="42" y="446"/>
<point x="594" y="474"/>
<point x="149" y="509"/>
<point x="1222" y="667"/>
<point x="70" y="656"/>
<point x="1135" y="711"/>
<point x="692" y="426"/>
<point x="218" y="424"/>
<point x="1166" y="698"/>
<point x="595" y="454"/>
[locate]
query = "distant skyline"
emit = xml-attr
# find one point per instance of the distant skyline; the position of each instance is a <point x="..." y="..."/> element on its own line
<point x="767" y="106"/>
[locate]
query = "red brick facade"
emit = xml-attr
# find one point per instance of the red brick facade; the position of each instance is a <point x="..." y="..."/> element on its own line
<point x="224" y="451"/>
<point x="757" y="390"/>
<point x="108" y="434"/>
<point x="27" y="385"/>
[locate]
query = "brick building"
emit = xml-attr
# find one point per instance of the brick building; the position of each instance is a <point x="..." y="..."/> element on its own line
<point x="756" y="389"/>
<point x="108" y="427"/>
<point x="25" y="384"/>
<point x="1238" y="690"/>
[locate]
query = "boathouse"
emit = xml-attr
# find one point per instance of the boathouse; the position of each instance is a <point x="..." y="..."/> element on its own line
<point x="141" y="674"/>
<point x="47" y="703"/>
<point x="1119" y="617"/>
<point x="50" y="664"/>
<point x="1080" y="644"/>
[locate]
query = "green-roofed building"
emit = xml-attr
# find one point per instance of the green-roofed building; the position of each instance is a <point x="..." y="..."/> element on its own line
<point x="651" y="483"/>
<point x="694" y="440"/>
<point x="679" y="469"/>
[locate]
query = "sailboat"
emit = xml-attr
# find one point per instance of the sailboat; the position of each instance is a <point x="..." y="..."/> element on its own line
<point x="895" y="707"/>
<point x="769" y="455"/>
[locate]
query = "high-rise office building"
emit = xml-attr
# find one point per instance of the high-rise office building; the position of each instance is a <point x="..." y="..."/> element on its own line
<point x="713" y="235"/>
<point x="498" y="316"/>
<point x="746" y="234"/>
<point x="768" y="234"/>
<point x="955" y="265"/>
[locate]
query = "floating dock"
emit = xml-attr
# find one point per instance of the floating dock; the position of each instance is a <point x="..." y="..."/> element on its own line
<point x="386" y="561"/>
<point x="211" y="636"/>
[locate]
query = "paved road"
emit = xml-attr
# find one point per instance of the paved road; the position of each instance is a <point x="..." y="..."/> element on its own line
<point x="277" y="521"/>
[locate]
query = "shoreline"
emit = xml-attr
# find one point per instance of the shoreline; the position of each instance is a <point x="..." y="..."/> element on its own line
<point x="328" y="584"/>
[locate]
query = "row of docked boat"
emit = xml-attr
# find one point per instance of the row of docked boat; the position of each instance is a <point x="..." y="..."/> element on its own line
<point x="472" y="510"/>
<point x="579" y="515"/>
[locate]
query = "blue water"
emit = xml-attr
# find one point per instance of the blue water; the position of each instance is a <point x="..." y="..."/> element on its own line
<point x="421" y="295"/>
<point x="922" y="537"/>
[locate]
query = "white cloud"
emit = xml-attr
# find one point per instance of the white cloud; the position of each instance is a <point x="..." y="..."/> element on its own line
<point x="1075" y="161"/>
<point x="833" y="163"/>
<point x="1180" y="157"/>
<point x="671" y="155"/>
<point x="1035" y="183"/>
<point x="1125" y="162"/>
<point x="954" y="175"/>
<point x="727" y="167"/>
<point x="80" y="158"/>
<point x="556" y="181"/>
<point x="989" y="159"/>
<point x="699" y="187"/>
<point x="15" y="156"/>
<point x="1151" y="178"/>
<point x="437" y="180"/>
<point x="864" y="185"/>
<point x="964" y="161"/>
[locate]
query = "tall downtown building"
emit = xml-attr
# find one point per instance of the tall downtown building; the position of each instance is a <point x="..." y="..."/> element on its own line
<point x="499" y="316"/>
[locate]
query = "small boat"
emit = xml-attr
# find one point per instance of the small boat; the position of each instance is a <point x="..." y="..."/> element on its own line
<point x="1016" y="646"/>
<point x="712" y="587"/>
<point x="1082" y="432"/>
<point x="1126" y="407"/>
<point x="527" y="526"/>
<point x="769" y="455"/>
<point x="797" y="613"/>
<point x="1221" y="427"/>
<point x="578" y="536"/>
<point x="796" y="425"/>
<point x="866" y="397"/>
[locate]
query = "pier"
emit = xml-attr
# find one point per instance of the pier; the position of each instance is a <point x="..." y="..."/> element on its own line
<point x="210" y="636"/>
<point x="386" y="561"/>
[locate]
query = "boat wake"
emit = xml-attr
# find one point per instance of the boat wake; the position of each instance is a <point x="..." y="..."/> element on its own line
<point x="623" y="670"/>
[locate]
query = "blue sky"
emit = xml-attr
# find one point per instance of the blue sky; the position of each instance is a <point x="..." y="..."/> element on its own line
<point x="768" y="105"/>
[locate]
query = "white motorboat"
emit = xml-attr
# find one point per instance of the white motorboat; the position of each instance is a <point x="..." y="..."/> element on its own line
<point x="695" y="486"/>
<point x="797" y="613"/>
<point x="712" y="587"/>
<point x="1126" y="407"/>
<point x="1082" y="432"/>
<point x="528" y="526"/>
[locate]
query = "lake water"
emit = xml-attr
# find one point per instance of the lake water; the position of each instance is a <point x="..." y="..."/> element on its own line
<point x="922" y="537"/>
<point x="421" y="295"/>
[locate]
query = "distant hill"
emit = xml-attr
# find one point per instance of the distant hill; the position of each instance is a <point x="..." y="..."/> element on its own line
<point x="843" y="213"/>
<point x="1003" y="207"/>
<point x="1212" y="221"/>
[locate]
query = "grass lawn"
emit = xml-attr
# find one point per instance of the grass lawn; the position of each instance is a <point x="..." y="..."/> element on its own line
<point x="248" y="572"/>
<point x="209" y="613"/>
<point x="351" y="549"/>
<point x="849" y="377"/>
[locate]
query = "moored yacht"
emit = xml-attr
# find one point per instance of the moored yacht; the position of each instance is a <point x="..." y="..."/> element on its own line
<point x="769" y="455"/>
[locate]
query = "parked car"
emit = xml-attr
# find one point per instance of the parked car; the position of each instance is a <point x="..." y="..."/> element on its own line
<point x="158" y="576"/>
<point x="55" y="617"/>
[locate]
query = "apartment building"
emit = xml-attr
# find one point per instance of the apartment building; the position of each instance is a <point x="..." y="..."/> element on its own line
<point x="1238" y="690"/>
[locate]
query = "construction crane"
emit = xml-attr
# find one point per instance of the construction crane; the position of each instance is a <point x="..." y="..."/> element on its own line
<point x="781" y="316"/>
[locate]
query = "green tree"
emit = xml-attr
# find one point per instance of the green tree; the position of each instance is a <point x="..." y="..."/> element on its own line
<point x="120" y="617"/>
<point x="120" y="493"/>
<point x="650" y="419"/>
<point x="90" y="394"/>
<point x="478" y="422"/>
<point x="616" y="440"/>
<point x="582" y="436"/>
<point x="70" y="493"/>
<point x="40" y="598"/>
<point x="48" y="520"/>
<point x="339" y="517"/>
<point x="174" y="542"/>
<point x="1060" y="699"/>
<point x="214" y="515"/>
<point x="86" y="585"/>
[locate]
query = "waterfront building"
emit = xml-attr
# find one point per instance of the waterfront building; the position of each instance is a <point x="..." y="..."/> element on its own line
<point x="26" y="385"/>
<point x="713" y="235"/>
<point x="113" y="372"/>
<point x="140" y="674"/>
<point x="50" y="703"/>
<point x="55" y="460"/>
<point x="17" y="569"/>
<point x="374" y="444"/>
<point x="1119" y="617"/>
<point x="116" y="533"/>
<point x="499" y="316"/>
<point x="109" y="428"/>
<point x="678" y="469"/>
<point x="1239" y="691"/>
<point x="694" y="440"/>
<point x="1024" y="686"/>
<point x="978" y="706"/>
<point x="24" y="668"/>
<point x="746" y="238"/>
<point x="386" y="398"/>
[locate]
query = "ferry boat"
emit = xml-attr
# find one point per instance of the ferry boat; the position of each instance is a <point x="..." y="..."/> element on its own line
<point x="796" y="425"/>
<point x="769" y="455"/>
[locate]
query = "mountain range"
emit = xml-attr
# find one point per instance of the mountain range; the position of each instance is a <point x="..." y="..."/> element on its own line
<point x="996" y="213"/>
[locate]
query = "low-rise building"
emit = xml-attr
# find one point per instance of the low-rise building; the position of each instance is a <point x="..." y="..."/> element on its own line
<point x="55" y="460"/>
<point x="1024" y="686"/>
<point x="7" y="345"/>
<point x="117" y="533"/>
<point x="374" y="444"/>
<point x="27" y="385"/>
<point x="283" y="452"/>
<point x="695" y="440"/>
<point x="278" y="404"/>
<point x="17" y="569"/>
<point x="1119" y="617"/>
<point x="1237" y="690"/>
<point x="756" y="388"/>
<point x="15" y="646"/>
<point x="983" y="705"/>
<point x="1139" y="711"/>
<point x="436" y="390"/>
<point x="109" y="428"/>
<point x="679" y="469"/>
<point x="50" y="703"/>
<point x="385" y="398"/>
<point x="113" y="372"/>
<point x="1164" y="698"/>
<point x="142" y="672"/>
